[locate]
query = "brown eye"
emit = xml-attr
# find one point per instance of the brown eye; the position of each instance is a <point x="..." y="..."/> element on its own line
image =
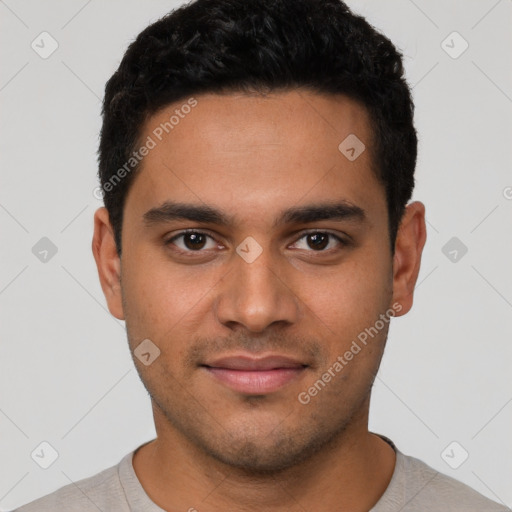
<point x="194" y="241"/>
<point x="318" y="241"/>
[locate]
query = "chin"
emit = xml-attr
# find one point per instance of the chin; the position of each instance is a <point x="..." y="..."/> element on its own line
<point x="253" y="457"/>
<point x="268" y="452"/>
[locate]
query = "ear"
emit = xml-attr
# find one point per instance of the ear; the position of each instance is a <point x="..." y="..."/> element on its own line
<point x="409" y="245"/>
<point x="108" y="262"/>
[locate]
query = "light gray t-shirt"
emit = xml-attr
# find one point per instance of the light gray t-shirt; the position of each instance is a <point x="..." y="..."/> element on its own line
<point x="414" y="487"/>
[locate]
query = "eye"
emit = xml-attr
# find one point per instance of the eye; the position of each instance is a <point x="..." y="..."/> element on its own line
<point x="192" y="241"/>
<point x="319" y="241"/>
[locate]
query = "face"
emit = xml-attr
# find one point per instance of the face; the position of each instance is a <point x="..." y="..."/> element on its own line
<point x="255" y="257"/>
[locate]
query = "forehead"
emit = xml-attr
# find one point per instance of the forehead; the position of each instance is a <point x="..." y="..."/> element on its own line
<point x="248" y="153"/>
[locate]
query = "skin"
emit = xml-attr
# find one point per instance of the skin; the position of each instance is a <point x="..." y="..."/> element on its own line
<point x="252" y="157"/>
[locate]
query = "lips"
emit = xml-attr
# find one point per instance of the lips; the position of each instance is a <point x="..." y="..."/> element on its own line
<point x="251" y="375"/>
<point x="250" y="363"/>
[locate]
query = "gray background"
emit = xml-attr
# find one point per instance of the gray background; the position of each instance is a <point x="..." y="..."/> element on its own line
<point x="66" y="376"/>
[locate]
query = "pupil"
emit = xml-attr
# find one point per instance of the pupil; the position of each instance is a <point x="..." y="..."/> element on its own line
<point x="194" y="241"/>
<point x="319" y="240"/>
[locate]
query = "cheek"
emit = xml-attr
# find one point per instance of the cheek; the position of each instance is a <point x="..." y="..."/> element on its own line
<point x="160" y="298"/>
<point x="352" y="297"/>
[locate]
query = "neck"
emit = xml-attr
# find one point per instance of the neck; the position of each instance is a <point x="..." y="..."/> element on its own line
<point x="351" y="472"/>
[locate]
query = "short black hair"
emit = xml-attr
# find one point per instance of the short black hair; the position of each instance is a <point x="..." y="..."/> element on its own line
<point x="219" y="46"/>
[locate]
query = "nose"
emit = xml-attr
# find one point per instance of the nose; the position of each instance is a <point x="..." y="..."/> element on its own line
<point x="256" y="295"/>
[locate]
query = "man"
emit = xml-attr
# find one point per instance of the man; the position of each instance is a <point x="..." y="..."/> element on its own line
<point x="256" y="159"/>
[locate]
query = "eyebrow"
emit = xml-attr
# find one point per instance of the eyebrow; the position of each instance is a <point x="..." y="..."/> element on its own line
<point x="342" y="210"/>
<point x="169" y="211"/>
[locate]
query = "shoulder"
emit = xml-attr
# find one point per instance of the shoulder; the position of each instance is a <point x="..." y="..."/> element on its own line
<point x="416" y="486"/>
<point x="102" y="491"/>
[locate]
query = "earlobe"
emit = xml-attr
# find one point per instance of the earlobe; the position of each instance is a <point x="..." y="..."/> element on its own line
<point x="409" y="245"/>
<point x="108" y="262"/>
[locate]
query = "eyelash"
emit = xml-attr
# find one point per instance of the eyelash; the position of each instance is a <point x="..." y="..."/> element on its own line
<point x="170" y="241"/>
